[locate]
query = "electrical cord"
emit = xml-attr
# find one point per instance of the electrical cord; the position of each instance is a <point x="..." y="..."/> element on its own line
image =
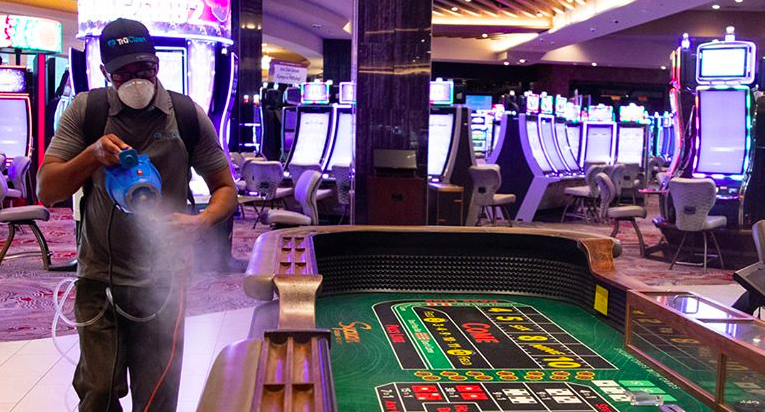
<point x="114" y="310"/>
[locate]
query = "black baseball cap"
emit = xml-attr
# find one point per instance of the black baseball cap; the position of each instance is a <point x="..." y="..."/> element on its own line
<point x="125" y="41"/>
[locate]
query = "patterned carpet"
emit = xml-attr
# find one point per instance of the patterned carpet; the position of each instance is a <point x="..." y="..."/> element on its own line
<point x="26" y="308"/>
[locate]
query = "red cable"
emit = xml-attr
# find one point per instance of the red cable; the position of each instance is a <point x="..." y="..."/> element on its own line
<point x="181" y="309"/>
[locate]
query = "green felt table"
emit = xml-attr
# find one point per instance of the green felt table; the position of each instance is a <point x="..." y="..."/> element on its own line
<point x="470" y="353"/>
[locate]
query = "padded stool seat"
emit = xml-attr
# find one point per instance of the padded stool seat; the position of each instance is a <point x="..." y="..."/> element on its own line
<point x="620" y="212"/>
<point x="713" y="222"/>
<point x="503" y="199"/>
<point x="282" y="192"/>
<point x="581" y="191"/>
<point x="287" y="217"/>
<point x="24" y="214"/>
<point x="323" y="194"/>
<point x="241" y="185"/>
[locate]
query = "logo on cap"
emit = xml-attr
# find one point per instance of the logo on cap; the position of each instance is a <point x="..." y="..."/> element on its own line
<point x="125" y="40"/>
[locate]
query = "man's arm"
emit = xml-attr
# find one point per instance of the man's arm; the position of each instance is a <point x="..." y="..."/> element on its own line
<point x="223" y="197"/>
<point x="58" y="179"/>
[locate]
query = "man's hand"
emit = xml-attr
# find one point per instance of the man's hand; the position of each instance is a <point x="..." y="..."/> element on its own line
<point x="107" y="149"/>
<point x="187" y="228"/>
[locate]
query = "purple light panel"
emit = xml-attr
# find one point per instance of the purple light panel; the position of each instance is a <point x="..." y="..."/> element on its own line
<point x="14" y="126"/>
<point x="723" y="131"/>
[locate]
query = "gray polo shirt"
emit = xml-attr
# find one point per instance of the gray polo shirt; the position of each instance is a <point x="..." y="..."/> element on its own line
<point x="139" y="250"/>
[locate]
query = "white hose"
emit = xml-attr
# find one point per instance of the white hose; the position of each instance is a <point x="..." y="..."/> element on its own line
<point x="58" y="305"/>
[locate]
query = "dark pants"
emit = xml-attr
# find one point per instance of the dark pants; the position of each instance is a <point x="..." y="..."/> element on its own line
<point x="144" y="348"/>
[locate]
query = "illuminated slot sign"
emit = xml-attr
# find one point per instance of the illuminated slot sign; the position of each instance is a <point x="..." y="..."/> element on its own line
<point x="532" y="103"/>
<point x="632" y="113"/>
<point x="560" y="105"/>
<point x="441" y="92"/>
<point x="601" y="113"/>
<point x="187" y="19"/>
<point x="314" y="93"/>
<point x="31" y="34"/>
<point x="12" y="79"/>
<point x="546" y="104"/>
<point x="347" y="93"/>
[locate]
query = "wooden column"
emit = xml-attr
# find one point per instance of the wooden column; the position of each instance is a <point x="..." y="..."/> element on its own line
<point x="391" y="68"/>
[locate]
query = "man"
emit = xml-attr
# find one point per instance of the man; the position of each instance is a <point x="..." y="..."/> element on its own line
<point x="115" y="251"/>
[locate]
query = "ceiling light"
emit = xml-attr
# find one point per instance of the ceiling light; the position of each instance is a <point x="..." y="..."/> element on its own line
<point x="521" y="61"/>
<point x="484" y="35"/>
<point x="664" y="67"/>
<point x="539" y="14"/>
<point x="455" y="8"/>
<point x="716" y="6"/>
<point x="739" y="1"/>
<point x="594" y="64"/>
<point x="467" y="1"/>
<point x="506" y="63"/>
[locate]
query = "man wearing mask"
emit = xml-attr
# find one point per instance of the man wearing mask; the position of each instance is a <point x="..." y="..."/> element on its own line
<point x="113" y="252"/>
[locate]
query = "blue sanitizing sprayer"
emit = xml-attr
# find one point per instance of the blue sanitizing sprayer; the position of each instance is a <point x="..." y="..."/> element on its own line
<point x="134" y="185"/>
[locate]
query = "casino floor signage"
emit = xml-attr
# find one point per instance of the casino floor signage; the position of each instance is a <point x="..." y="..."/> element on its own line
<point x="465" y="334"/>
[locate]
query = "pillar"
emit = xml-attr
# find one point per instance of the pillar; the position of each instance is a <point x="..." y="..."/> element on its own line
<point x="391" y="68"/>
<point x="337" y="60"/>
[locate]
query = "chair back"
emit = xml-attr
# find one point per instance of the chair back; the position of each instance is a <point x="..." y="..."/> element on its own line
<point x="342" y="183"/>
<point x="3" y="190"/>
<point x="617" y="175"/>
<point x="607" y="193"/>
<point x="262" y="178"/>
<point x="297" y="170"/>
<point x="663" y="179"/>
<point x="758" y="231"/>
<point x="305" y="194"/>
<point x="237" y="159"/>
<point x="486" y="181"/>
<point x="18" y="172"/>
<point x="631" y="172"/>
<point x="693" y="199"/>
<point x="589" y="177"/>
<point x="3" y="158"/>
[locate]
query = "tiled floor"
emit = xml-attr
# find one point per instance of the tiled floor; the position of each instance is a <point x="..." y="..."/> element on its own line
<point x="35" y="377"/>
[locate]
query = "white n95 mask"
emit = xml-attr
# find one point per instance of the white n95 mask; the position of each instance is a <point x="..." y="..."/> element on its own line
<point x="136" y="93"/>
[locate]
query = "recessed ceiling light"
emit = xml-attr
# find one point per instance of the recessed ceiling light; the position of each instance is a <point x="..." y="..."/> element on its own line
<point x="739" y="1"/>
<point x="539" y="14"/>
<point x="455" y="8"/>
<point x="467" y="1"/>
<point x="716" y="6"/>
<point x="484" y="35"/>
<point x="521" y="61"/>
<point x="664" y="67"/>
<point x="594" y="64"/>
<point x="506" y="63"/>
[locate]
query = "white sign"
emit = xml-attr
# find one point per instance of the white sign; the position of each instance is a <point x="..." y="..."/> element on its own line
<point x="288" y="73"/>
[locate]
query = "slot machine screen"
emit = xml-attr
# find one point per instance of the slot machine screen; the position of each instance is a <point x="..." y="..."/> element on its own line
<point x="478" y="102"/>
<point x="342" y="153"/>
<point x="439" y="142"/>
<point x="173" y="69"/>
<point x="441" y="93"/>
<point x="561" y="137"/>
<point x="574" y="136"/>
<point x="631" y="143"/>
<point x="546" y="125"/>
<point x="532" y="132"/>
<point x="723" y="62"/>
<point x="723" y="132"/>
<point x="599" y="139"/>
<point x="14" y="126"/>
<point x="311" y="139"/>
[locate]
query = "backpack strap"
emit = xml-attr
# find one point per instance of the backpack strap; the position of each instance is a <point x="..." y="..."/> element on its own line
<point x="188" y="127"/>
<point x="96" y="115"/>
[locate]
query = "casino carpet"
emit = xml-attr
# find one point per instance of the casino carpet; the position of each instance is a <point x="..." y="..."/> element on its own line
<point x="26" y="308"/>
